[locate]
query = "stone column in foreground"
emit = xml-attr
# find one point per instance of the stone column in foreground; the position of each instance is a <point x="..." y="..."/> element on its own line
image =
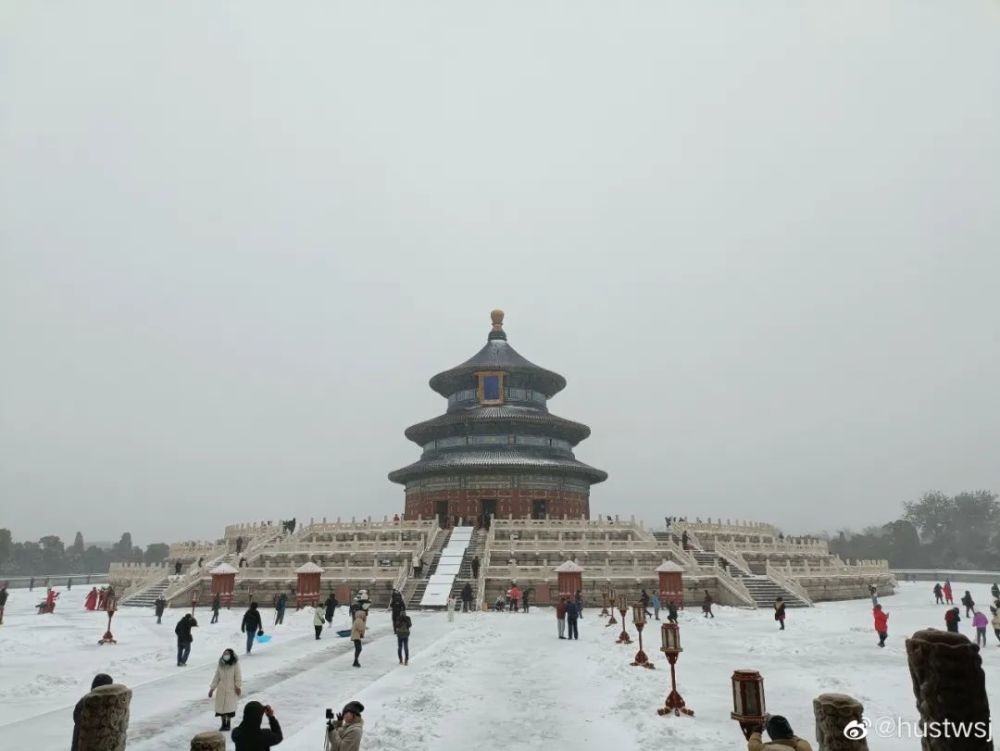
<point x="949" y="685"/>
<point x="104" y="718"/>
<point x="833" y="713"/>
<point x="210" y="741"/>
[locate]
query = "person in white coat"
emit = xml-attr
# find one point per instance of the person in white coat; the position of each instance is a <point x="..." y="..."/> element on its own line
<point x="319" y="618"/>
<point x="227" y="685"/>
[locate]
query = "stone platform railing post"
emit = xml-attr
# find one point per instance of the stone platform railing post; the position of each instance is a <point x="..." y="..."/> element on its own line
<point x="104" y="719"/>
<point x="833" y="712"/>
<point x="949" y="685"/>
<point x="210" y="741"/>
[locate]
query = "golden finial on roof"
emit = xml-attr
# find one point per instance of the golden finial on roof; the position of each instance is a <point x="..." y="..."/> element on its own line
<point x="497" y="317"/>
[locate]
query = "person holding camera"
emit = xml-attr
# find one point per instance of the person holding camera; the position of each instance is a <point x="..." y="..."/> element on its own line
<point x="250" y="736"/>
<point x="344" y="732"/>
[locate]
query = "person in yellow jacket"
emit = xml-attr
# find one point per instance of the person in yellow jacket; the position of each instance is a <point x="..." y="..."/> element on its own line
<point x="781" y="737"/>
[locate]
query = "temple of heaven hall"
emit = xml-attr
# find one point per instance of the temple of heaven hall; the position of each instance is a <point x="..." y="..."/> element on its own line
<point x="497" y="451"/>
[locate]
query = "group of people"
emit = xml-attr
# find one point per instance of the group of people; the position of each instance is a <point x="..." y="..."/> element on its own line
<point x="97" y="599"/>
<point x="980" y="621"/>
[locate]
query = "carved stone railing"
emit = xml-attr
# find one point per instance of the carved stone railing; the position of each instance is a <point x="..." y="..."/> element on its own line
<point x="727" y="527"/>
<point x="733" y="585"/>
<point x="788" y="583"/>
<point x="484" y="565"/>
<point x="732" y="556"/>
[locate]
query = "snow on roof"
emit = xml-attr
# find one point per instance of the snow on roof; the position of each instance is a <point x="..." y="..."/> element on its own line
<point x="569" y="566"/>
<point x="669" y="567"/>
<point x="309" y="568"/>
<point x="223" y="568"/>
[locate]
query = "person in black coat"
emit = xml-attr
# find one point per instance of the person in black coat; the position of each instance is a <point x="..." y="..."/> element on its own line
<point x="279" y="608"/>
<point x="216" y="607"/>
<point x="572" y="619"/>
<point x="158" y="607"/>
<point x="101" y="679"/>
<point x="184" y="638"/>
<point x="250" y="736"/>
<point x="251" y="625"/>
<point x="969" y="603"/>
<point x="467" y="598"/>
<point x="475" y="568"/>
<point x="331" y="607"/>
<point x="671" y="612"/>
<point x="396" y="605"/>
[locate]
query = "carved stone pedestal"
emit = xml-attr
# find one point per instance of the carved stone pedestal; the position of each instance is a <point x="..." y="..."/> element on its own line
<point x="104" y="719"/>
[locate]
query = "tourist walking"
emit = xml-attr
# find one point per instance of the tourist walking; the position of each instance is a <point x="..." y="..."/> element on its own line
<point x="279" y="609"/>
<point x="980" y="622"/>
<point x="319" y="618"/>
<point x="644" y="599"/>
<point x="396" y="604"/>
<point x="251" y="625"/>
<point x="159" y="605"/>
<point x="671" y="612"/>
<point x="881" y="624"/>
<point x="684" y="539"/>
<point x="572" y="616"/>
<point x="402" y="628"/>
<point x="331" y="607"/>
<point x="779" y="612"/>
<point x="101" y="679"/>
<point x="951" y="619"/>
<point x="781" y="736"/>
<point x="358" y="633"/>
<point x="938" y="594"/>
<point x="475" y="568"/>
<point x="947" y="592"/>
<point x="344" y="733"/>
<point x="184" y="638"/>
<point x="90" y="603"/>
<point x="995" y="591"/>
<point x="250" y="736"/>
<point x="227" y="685"/>
<point x="524" y="600"/>
<point x="996" y="625"/>
<point x="578" y="601"/>
<point x="515" y="598"/>
<point x="706" y="606"/>
<point x="467" y="597"/>
<point x="968" y="602"/>
<point x="561" y="617"/>
<point x="655" y="599"/>
<point x="3" y="602"/>
<point x="216" y="607"/>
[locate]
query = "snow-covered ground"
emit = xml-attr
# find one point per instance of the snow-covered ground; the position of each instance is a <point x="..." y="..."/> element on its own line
<point x="469" y="682"/>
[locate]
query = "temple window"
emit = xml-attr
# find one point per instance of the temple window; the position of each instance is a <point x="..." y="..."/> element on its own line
<point x="490" y="389"/>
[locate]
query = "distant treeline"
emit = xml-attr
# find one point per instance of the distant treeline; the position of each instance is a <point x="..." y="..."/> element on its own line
<point x="50" y="556"/>
<point x="936" y="531"/>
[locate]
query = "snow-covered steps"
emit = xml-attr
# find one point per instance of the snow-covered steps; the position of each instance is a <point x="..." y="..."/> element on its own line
<point x="765" y="591"/>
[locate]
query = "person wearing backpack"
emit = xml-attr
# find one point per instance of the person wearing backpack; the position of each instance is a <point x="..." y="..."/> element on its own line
<point x="403" y="625"/>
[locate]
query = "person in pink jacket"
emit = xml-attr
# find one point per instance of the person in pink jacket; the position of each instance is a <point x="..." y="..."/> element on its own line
<point x="980" y="621"/>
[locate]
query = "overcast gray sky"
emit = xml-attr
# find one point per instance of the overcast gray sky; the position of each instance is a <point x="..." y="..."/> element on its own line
<point x="761" y="241"/>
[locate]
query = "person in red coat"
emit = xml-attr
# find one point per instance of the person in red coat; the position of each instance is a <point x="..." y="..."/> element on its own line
<point x="91" y="602"/>
<point x="947" y="592"/>
<point x="881" y="624"/>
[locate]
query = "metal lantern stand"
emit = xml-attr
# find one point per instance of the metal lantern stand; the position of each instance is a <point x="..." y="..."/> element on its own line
<point x="623" y="637"/>
<point x="671" y="636"/>
<point x="108" y="637"/>
<point x="748" y="701"/>
<point x="604" y="599"/>
<point x="639" y="618"/>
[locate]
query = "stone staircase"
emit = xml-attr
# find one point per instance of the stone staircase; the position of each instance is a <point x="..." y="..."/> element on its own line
<point x="146" y="598"/>
<point x="765" y="590"/>
<point x="476" y="548"/>
<point x="413" y="591"/>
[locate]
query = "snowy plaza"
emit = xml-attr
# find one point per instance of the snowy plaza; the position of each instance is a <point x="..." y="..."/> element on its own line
<point x="469" y="682"/>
